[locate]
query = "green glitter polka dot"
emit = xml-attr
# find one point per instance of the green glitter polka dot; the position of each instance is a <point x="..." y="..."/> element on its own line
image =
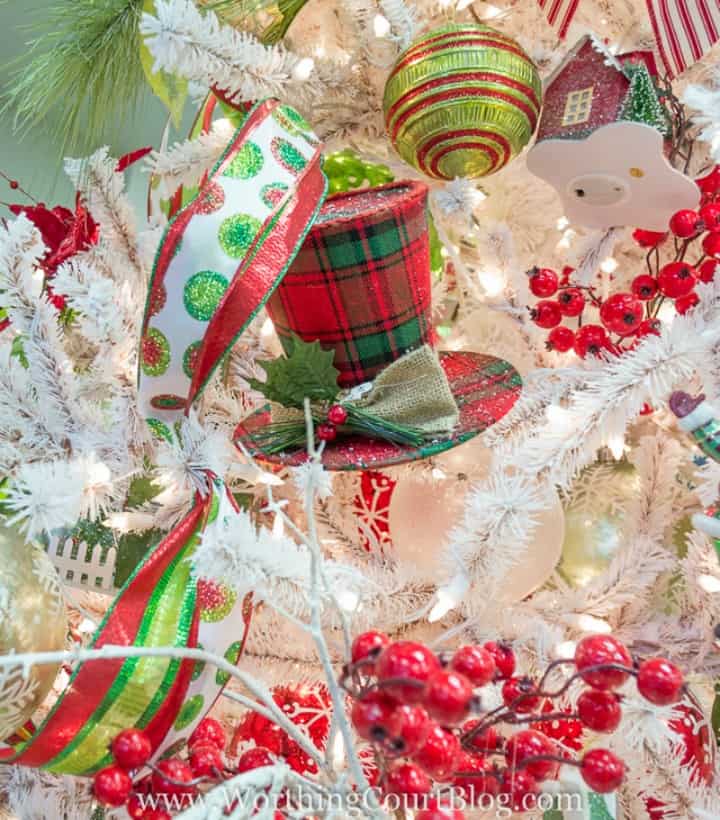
<point x="231" y="656"/>
<point x="272" y="193"/>
<point x="288" y="155"/>
<point x="199" y="666"/>
<point x="237" y="233"/>
<point x="190" y="710"/>
<point x="216" y="600"/>
<point x="155" y="353"/>
<point x="160" y="430"/>
<point x="190" y="358"/>
<point x="168" y="401"/>
<point x="203" y="293"/>
<point x="173" y="749"/>
<point x="292" y="121"/>
<point x="247" y="163"/>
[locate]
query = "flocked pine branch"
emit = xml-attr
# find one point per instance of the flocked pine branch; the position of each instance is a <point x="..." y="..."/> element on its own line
<point x="21" y="249"/>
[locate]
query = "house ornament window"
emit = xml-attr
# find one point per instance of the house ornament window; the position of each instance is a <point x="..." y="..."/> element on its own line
<point x="577" y="106"/>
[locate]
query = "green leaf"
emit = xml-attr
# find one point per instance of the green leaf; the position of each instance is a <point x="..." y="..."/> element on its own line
<point x="715" y="717"/>
<point x="169" y="88"/>
<point x="18" y="351"/>
<point x="307" y="371"/>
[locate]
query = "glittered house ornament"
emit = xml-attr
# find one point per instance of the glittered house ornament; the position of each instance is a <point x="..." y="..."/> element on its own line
<point x="602" y="140"/>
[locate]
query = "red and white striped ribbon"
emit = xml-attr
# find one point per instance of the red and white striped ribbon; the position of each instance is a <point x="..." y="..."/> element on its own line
<point x="684" y="30"/>
<point x="559" y="14"/>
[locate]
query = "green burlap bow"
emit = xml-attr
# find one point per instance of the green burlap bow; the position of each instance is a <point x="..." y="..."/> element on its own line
<point x="409" y="401"/>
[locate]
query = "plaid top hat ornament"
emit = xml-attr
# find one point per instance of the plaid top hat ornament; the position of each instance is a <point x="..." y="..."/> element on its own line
<point x="353" y="314"/>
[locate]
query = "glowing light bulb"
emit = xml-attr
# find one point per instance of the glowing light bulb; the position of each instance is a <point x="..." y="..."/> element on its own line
<point x="562" y="223"/>
<point x="490" y="11"/>
<point x="565" y="649"/>
<point x="616" y="445"/>
<point x="609" y="265"/>
<point x="304" y="68"/>
<point x="589" y="623"/>
<point x="493" y="281"/>
<point x="448" y="597"/>
<point x="708" y="583"/>
<point x="666" y="313"/>
<point x="348" y="600"/>
<point x="267" y="328"/>
<point x="556" y="414"/>
<point x="381" y="26"/>
<point x="566" y="240"/>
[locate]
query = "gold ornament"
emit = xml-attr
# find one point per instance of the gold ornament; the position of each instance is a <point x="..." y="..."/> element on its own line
<point x="32" y="619"/>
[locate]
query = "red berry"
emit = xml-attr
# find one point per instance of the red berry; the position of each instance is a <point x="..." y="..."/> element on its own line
<point x="591" y="339"/>
<point x="503" y="656"/>
<point x="543" y="282"/>
<point x="519" y="693"/>
<point x="621" y="313"/>
<point x="112" y="786"/>
<point x="676" y="279"/>
<point x="407" y="729"/>
<point x="602" y="770"/>
<point x="648" y="239"/>
<point x="370" y="715"/>
<point x="135" y="807"/>
<point x="706" y="271"/>
<point x="131" y="748"/>
<point x="337" y="414"/>
<point x="648" y="327"/>
<point x="486" y="741"/>
<point x="14" y="184"/>
<point x="599" y="710"/>
<point x="155" y="814"/>
<point x="205" y="760"/>
<point x="528" y="744"/>
<point x="172" y="776"/>
<point x="596" y="650"/>
<point x="409" y="660"/>
<point x="439" y="754"/>
<point x="209" y="731"/>
<point x="473" y="778"/>
<point x="660" y="681"/>
<point x="711" y="244"/>
<point x="710" y="183"/>
<point x="560" y="338"/>
<point x="326" y="432"/>
<point x="254" y="758"/>
<point x="437" y="810"/>
<point x="475" y="663"/>
<point x="685" y="223"/>
<point x="367" y="647"/>
<point x="646" y="409"/>
<point x="644" y="286"/>
<point x="710" y="215"/>
<point x="571" y="301"/>
<point x="448" y="697"/>
<point x="521" y="787"/>
<point x="407" y="779"/>
<point x="546" y="314"/>
<point x="685" y="303"/>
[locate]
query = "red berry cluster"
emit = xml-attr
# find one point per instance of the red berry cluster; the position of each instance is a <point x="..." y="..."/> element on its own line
<point x="628" y="316"/>
<point x="131" y="750"/>
<point x="336" y="417"/>
<point x="422" y="713"/>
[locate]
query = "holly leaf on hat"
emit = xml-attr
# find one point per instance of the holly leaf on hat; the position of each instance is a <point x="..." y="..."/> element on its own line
<point x="307" y="371"/>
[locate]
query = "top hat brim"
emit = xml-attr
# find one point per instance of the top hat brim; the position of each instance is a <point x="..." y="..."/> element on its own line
<point x="485" y="389"/>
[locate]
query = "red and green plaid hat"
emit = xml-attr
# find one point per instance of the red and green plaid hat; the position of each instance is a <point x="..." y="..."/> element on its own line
<point x="361" y="281"/>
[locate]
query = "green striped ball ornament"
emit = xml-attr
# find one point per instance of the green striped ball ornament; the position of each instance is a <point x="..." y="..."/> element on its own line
<point x="462" y="101"/>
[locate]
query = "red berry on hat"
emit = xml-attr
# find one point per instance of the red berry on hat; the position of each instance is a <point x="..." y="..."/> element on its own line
<point x="710" y="215"/>
<point x="519" y="692"/>
<point x="543" y="282"/>
<point x="685" y="223"/>
<point x="503" y="656"/>
<point x="326" y="432"/>
<point x="571" y="301"/>
<point x="254" y="759"/>
<point x="448" y="697"/>
<point x="602" y="770"/>
<point x="337" y="414"/>
<point x="437" y="810"/>
<point x="131" y="748"/>
<point x="599" y="710"/>
<point x="367" y="647"/>
<point x="474" y="779"/>
<point x="706" y="271"/>
<point x="112" y="786"/>
<point x="172" y="776"/>
<point x="407" y="779"/>
<point x="407" y="729"/>
<point x="598" y="650"/>
<point x="475" y="663"/>
<point x="685" y="303"/>
<point x="486" y="741"/>
<point x="660" y="681"/>
<point x="409" y="660"/>
<point x="546" y="314"/>
<point x="676" y="279"/>
<point x="439" y="754"/>
<point x="522" y="788"/>
<point x="648" y="327"/>
<point x="649" y="239"/>
<point x="205" y="760"/>
<point x="644" y="286"/>
<point x="209" y="731"/>
<point x="527" y="744"/>
<point x="560" y="338"/>
<point x="370" y="715"/>
<point x="591" y="339"/>
<point x="711" y="244"/>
